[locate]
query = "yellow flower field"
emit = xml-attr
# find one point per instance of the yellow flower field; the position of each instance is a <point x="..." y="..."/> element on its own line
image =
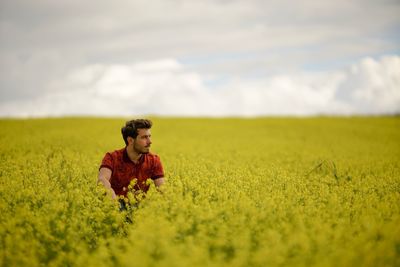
<point x="239" y="192"/>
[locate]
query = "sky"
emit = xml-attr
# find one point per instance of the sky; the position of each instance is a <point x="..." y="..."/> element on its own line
<point x="213" y="58"/>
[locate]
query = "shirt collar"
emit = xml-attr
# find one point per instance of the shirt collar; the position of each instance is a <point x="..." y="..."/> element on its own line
<point x="127" y="159"/>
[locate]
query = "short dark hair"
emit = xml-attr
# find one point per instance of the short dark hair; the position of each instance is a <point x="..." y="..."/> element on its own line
<point x="131" y="127"/>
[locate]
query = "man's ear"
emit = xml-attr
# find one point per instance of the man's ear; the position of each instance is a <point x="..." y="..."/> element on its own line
<point x="130" y="140"/>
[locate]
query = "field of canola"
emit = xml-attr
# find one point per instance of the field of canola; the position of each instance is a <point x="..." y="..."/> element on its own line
<point x="239" y="192"/>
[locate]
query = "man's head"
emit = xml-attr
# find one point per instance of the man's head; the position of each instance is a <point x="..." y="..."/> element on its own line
<point x="136" y="133"/>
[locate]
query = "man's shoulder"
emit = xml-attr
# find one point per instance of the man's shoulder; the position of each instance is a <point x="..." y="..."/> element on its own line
<point x="116" y="153"/>
<point x="112" y="158"/>
<point x="152" y="156"/>
<point x="119" y="151"/>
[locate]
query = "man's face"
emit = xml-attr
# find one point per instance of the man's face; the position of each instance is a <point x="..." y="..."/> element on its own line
<point x="141" y="144"/>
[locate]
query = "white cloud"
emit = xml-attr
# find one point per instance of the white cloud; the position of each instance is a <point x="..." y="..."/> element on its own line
<point x="57" y="56"/>
<point x="167" y="87"/>
<point x="157" y="87"/>
<point x="371" y="86"/>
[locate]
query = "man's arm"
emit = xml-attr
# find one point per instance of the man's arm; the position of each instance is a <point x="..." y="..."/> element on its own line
<point x="159" y="181"/>
<point x="104" y="178"/>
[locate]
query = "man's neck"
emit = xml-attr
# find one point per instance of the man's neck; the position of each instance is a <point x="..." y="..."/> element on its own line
<point x="133" y="155"/>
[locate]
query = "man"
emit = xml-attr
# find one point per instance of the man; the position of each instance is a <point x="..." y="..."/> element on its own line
<point x="134" y="161"/>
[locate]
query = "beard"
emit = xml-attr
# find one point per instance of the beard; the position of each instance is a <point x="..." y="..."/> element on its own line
<point x="141" y="149"/>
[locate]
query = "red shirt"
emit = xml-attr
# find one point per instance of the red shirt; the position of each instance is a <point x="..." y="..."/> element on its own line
<point x="124" y="170"/>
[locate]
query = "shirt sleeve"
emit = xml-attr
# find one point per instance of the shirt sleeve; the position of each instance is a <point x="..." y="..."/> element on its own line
<point x="107" y="162"/>
<point x="158" y="170"/>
